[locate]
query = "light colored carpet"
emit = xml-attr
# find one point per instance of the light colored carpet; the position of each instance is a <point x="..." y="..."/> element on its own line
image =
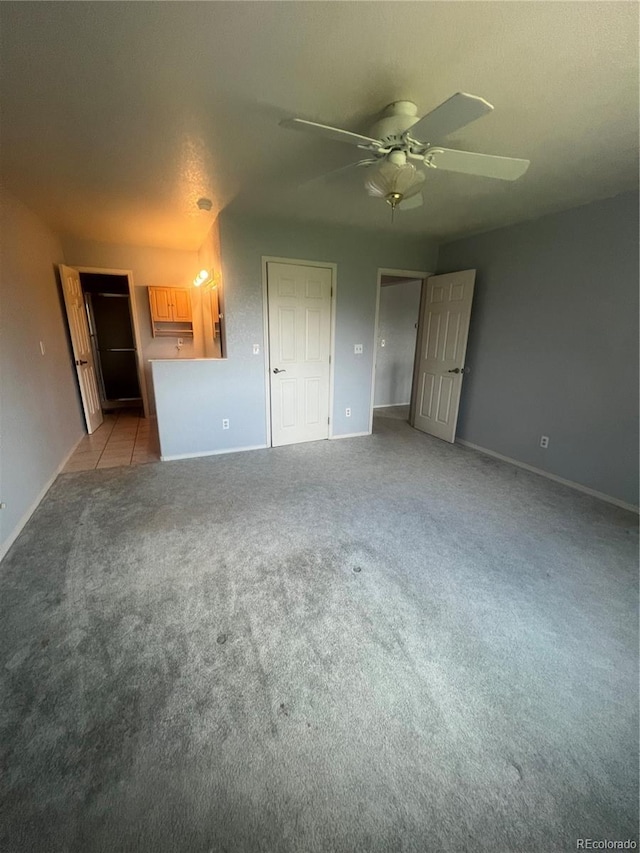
<point x="378" y="644"/>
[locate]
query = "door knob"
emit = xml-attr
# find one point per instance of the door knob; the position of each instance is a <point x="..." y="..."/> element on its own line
<point x="81" y="361"/>
<point x="455" y="370"/>
<point x="277" y="370"/>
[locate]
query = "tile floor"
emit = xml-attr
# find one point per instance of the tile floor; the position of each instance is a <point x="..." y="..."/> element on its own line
<point x="124" y="438"/>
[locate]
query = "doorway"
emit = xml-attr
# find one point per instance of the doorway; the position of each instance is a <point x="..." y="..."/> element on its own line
<point x="299" y="320"/>
<point x="396" y="328"/>
<point x="398" y="314"/>
<point x="439" y="340"/>
<point x="105" y="341"/>
<point x="108" y="306"/>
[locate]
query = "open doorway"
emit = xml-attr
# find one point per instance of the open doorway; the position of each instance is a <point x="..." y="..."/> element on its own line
<point x="105" y="341"/>
<point x="434" y="344"/>
<point x="398" y="313"/>
<point x="108" y="306"/>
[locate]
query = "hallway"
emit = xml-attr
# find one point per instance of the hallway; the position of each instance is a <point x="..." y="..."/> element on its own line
<point x="124" y="438"/>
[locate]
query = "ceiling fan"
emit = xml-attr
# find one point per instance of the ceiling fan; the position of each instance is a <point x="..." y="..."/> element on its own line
<point x="400" y="136"/>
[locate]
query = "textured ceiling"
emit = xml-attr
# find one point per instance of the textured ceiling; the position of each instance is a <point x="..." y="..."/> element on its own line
<point x="117" y="117"/>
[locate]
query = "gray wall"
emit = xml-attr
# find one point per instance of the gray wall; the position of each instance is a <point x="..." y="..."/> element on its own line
<point x="553" y="343"/>
<point x="40" y="418"/>
<point x="397" y="319"/>
<point x="192" y="427"/>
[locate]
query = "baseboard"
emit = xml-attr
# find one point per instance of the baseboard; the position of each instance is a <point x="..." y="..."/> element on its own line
<point x="4" y="548"/>
<point x="176" y="456"/>
<point x="392" y="405"/>
<point x="350" y="435"/>
<point x="578" y="486"/>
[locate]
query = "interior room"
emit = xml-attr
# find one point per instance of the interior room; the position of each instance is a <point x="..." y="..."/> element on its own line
<point x="319" y="426"/>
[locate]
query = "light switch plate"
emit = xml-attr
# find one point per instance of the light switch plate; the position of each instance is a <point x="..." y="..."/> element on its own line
<point x="256" y="349"/>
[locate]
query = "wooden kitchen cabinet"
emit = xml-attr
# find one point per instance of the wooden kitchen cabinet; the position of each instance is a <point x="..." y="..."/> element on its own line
<point x="171" y="312"/>
<point x="181" y="305"/>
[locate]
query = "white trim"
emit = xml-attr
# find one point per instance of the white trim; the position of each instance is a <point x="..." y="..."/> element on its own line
<point x="578" y="486"/>
<point x="136" y="326"/>
<point x="269" y="259"/>
<point x="265" y="349"/>
<point x="408" y="274"/>
<point x="404" y="273"/>
<point x="4" y="548"/>
<point x="176" y="456"/>
<point x="375" y="348"/>
<point x="349" y="435"/>
<point x="392" y="405"/>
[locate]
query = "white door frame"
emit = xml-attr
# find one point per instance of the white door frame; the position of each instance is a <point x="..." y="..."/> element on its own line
<point x="400" y="273"/>
<point x="136" y="326"/>
<point x="268" y="259"/>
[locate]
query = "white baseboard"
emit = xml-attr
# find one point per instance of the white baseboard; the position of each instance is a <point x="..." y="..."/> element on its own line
<point x="4" y="548"/>
<point x="578" y="486"/>
<point x="350" y="435"/>
<point x="392" y="405"/>
<point x="176" y="456"/>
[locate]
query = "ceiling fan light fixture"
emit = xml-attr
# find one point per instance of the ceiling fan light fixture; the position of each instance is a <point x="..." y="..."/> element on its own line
<point x="394" y="181"/>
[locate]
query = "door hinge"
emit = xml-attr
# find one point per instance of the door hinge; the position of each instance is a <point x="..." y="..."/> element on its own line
<point x="329" y="359"/>
<point x="328" y="420"/>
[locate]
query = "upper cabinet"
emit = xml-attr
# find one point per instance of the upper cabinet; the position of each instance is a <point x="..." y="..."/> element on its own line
<point x="181" y="305"/>
<point x="171" y="311"/>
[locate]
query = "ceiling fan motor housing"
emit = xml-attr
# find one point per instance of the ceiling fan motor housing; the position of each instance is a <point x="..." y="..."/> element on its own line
<point x="395" y="120"/>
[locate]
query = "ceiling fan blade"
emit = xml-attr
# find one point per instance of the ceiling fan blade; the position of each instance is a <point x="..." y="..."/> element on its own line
<point x="460" y="109"/>
<point x="334" y="133"/>
<point x="412" y="202"/>
<point x="328" y="176"/>
<point x="470" y="163"/>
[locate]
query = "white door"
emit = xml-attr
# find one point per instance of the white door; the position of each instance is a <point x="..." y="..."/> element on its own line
<point x="81" y="344"/>
<point x="299" y="300"/>
<point x="444" y="327"/>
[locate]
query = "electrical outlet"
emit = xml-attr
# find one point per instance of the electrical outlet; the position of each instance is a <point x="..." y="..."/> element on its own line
<point x="544" y="441"/>
<point x="256" y="349"/>
<point x="382" y="342"/>
<point x="225" y="423"/>
<point x="357" y="349"/>
<point x="3" y="505"/>
<point x="347" y="412"/>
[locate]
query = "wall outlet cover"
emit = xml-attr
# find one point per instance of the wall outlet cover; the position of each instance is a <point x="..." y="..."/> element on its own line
<point x="357" y="349"/>
<point x="256" y="349"/>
